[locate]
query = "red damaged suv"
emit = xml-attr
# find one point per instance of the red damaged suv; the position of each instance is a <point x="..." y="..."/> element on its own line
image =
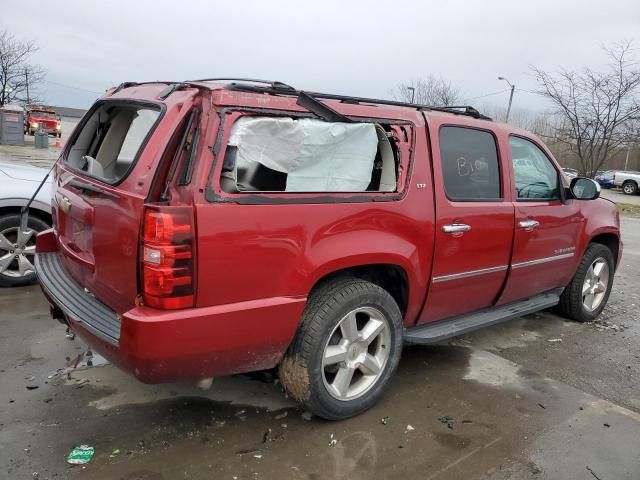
<point x="222" y="226"/>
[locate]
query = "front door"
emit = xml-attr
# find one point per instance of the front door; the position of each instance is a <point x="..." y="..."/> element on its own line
<point x="474" y="222"/>
<point x="546" y="229"/>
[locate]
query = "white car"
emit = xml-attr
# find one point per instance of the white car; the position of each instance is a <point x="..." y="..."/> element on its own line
<point x="17" y="185"/>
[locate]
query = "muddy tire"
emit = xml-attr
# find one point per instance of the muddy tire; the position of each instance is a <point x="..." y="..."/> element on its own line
<point x="347" y="347"/>
<point x="587" y="294"/>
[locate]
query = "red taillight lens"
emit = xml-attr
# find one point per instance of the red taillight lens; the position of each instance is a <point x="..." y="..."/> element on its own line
<point x="167" y="257"/>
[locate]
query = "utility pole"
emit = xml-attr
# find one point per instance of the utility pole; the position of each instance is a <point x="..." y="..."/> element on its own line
<point x="413" y="93"/>
<point x="626" y="160"/>
<point x="513" y="87"/>
<point x="26" y="81"/>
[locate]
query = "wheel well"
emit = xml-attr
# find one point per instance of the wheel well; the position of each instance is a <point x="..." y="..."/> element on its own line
<point x="41" y="214"/>
<point x="390" y="277"/>
<point x="610" y="241"/>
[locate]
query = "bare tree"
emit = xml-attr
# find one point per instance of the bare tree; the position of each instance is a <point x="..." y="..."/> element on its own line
<point x="598" y="109"/>
<point x="435" y="91"/>
<point x="18" y="79"/>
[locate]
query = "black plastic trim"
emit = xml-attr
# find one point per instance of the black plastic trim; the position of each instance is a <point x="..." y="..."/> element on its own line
<point x="76" y="302"/>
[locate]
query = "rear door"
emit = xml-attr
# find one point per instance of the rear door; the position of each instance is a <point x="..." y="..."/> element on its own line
<point x="474" y="221"/>
<point x="546" y="228"/>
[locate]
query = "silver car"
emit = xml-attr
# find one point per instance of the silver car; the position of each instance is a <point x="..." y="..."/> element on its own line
<point x="17" y="184"/>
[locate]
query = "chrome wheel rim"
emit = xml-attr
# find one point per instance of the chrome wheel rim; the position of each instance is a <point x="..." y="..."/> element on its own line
<point x="595" y="284"/>
<point x="17" y="251"/>
<point x="628" y="188"/>
<point x="356" y="353"/>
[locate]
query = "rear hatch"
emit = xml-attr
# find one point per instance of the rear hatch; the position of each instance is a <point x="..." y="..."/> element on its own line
<point x="102" y="183"/>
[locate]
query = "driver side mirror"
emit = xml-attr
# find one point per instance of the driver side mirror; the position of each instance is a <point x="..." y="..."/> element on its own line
<point x="583" y="188"/>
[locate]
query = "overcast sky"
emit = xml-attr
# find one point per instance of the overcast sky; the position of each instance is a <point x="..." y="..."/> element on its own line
<point x="350" y="47"/>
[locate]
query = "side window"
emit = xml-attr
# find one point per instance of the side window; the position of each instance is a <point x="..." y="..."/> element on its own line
<point x="469" y="164"/>
<point x="534" y="174"/>
<point x="283" y="154"/>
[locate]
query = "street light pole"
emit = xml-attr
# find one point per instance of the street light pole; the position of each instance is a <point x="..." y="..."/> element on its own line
<point x="513" y="87"/>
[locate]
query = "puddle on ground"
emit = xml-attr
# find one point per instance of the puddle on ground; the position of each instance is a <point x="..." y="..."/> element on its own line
<point x="489" y="369"/>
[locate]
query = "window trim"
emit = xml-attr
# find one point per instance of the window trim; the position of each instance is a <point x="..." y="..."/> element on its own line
<point x="561" y="187"/>
<point x="501" y="198"/>
<point x="215" y="194"/>
<point x="158" y="106"/>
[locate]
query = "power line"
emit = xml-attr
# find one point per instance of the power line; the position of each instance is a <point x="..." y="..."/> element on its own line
<point x="486" y="95"/>
<point x="72" y="87"/>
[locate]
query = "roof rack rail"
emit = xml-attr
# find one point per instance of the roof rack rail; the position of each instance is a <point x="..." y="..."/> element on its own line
<point x="456" y="110"/>
<point x="272" y="83"/>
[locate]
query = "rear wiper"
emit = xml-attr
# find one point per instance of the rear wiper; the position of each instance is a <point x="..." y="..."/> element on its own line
<point x="88" y="188"/>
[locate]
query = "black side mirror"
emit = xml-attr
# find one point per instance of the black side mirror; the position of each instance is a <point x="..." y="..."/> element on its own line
<point x="584" y="188"/>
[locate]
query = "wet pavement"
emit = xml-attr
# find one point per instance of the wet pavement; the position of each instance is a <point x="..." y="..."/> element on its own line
<point x="537" y="398"/>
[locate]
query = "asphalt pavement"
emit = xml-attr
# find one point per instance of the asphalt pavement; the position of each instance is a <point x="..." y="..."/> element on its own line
<point x="537" y="398"/>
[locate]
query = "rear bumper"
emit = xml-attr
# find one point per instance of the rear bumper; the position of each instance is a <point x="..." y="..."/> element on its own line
<point x="164" y="346"/>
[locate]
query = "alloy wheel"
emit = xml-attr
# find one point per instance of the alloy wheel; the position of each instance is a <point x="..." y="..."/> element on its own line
<point x="356" y="353"/>
<point x="595" y="284"/>
<point x="17" y="251"/>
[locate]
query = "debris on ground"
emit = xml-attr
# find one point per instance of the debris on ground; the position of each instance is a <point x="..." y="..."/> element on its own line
<point x="307" y="416"/>
<point x="541" y="406"/>
<point x="31" y="387"/>
<point x="593" y="473"/>
<point x="115" y="453"/>
<point x="384" y="420"/>
<point x="80" y="455"/>
<point x="252" y="451"/>
<point x="266" y="435"/>
<point x="280" y="416"/>
<point x="333" y="441"/>
<point x="467" y="421"/>
<point x="409" y="428"/>
<point x="606" y="425"/>
<point x="448" y="421"/>
<point x="257" y="455"/>
<point x="554" y="340"/>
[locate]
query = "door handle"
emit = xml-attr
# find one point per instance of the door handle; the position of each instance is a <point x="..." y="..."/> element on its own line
<point x="456" y="228"/>
<point x="528" y="224"/>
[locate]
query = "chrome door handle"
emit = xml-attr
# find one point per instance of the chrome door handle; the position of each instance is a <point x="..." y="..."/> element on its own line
<point x="529" y="224"/>
<point x="456" y="228"/>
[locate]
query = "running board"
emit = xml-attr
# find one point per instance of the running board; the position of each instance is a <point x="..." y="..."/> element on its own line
<point x="444" y="329"/>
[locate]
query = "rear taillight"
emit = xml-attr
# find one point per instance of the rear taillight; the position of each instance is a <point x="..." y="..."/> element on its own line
<point x="168" y="248"/>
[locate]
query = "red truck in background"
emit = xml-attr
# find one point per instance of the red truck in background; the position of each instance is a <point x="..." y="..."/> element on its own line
<point x="43" y="119"/>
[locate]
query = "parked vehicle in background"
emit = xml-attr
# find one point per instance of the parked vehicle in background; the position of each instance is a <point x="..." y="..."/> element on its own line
<point x="17" y="249"/>
<point x="571" y="172"/>
<point x="605" y="179"/>
<point x="331" y="230"/>
<point x="628" y="181"/>
<point x="43" y="119"/>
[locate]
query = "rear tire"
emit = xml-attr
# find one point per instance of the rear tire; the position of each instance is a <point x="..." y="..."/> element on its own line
<point x="347" y="347"/>
<point x="588" y="292"/>
<point x="630" y="188"/>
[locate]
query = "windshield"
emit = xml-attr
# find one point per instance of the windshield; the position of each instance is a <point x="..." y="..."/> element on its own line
<point x="42" y="114"/>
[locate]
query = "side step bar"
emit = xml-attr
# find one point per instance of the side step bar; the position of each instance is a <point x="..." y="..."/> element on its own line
<point x="452" y="327"/>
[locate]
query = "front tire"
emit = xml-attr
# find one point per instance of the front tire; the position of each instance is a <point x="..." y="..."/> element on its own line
<point x="17" y="251"/>
<point x="347" y="347"/>
<point x="587" y="294"/>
